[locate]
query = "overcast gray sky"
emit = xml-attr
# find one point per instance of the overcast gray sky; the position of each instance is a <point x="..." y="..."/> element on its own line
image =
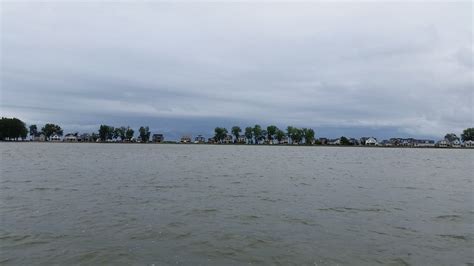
<point x="382" y="69"/>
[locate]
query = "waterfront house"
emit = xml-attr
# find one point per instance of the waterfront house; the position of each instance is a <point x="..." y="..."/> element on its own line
<point x="455" y="144"/>
<point x="469" y="144"/>
<point x="228" y="139"/>
<point x="55" y="137"/>
<point x="70" y="137"/>
<point x="284" y="140"/>
<point x="371" y="141"/>
<point x="185" y="139"/>
<point x="85" y="138"/>
<point x="242" y="139"/>
<point x="200" y="139"/>
<point x="442" y="144"/>
<point x="323" y="141"/>
<point x="211" y="141"/>
<point x="157" y="138"/>
<point x="424" y="143"/>
<point x="40" y="137"/>
<point x="334" y="142"/>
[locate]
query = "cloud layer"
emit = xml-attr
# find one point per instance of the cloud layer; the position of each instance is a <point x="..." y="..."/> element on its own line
<point x="397" y="67"/>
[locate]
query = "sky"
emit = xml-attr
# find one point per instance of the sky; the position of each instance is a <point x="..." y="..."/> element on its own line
<point x="383" y="69"/>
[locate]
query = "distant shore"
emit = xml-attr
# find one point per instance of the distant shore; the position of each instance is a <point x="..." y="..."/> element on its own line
<point x="237" y="144"/>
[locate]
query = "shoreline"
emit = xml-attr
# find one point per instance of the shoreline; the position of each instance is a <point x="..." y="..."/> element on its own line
<point x="236" y="144"/>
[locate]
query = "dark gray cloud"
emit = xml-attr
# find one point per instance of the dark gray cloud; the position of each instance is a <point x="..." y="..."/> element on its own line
<point x="360" y="68"/>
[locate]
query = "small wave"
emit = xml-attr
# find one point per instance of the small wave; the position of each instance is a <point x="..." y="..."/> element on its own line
<point x="344" y="209"/>
<point x="450" y="217"/>
<point x="456" y="237"/>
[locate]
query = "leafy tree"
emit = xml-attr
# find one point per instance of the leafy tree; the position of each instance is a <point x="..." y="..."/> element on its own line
<point x="257" y="133"/>
<point x="289" y="133"/>
<point x="106" y="132"/>
<point x="271" y="131"/>
<point x="236" y="132"/>
<point x="129" y="133"/>
<point x="297" y="135"/>
<point x="309" y="135"/>
<point x="279" y="135"/>
<point x="451" y="137"/>
<point x="144" y="133"/>
<point x="249" y="134"/>
<point x="468" y="134"/>
<point x="220" y="133"/>
<point x="344" y="141"/>
<point x="33" y="131"/>
<point x="50" y="129"/>
<point x="12" y="128"/>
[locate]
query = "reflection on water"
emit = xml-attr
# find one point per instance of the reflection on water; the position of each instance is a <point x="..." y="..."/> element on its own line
<point x="199" y="204"/>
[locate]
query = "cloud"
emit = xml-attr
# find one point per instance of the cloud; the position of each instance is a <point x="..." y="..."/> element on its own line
<point x="401" y="66"/>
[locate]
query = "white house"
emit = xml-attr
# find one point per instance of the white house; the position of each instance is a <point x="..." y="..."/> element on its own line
<point x="40" y="137"/>
<point x="70" y="137"/>
<point x="469" y="144"/>
<point x="442" y="143"/>
<point x="55" y="137"/>
<point x="371" y="141"/>
<point x="456" y="143"/>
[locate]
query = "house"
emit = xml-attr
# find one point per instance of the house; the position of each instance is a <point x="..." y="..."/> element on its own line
<point x="456" y="143"/>
<point x="71" y="137"/>
<point x="85" y="138"/>
<point x="371" y="142"/>
<point x="442" y="144"/>
<point x="211" y="141"/>
<point x="200" y="139"/>
<point x="228" y="139"/>
<point x="40" y="137"/>
<point x="157" y="138"/>
<point x="242" y="139"/>
<point x="334" y="142"/>
<point x="55" y="137"/>
<point x="353" y="141"/>
<point x="469" y="143"/>
<point x="284" y="140"/>
<point x="424" y="143"/>
<point x="185" y="139"/>
<point x="323" y="141"/>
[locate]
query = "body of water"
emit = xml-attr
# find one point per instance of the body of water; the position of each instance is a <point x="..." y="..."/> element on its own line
<point x="220" y="205"/>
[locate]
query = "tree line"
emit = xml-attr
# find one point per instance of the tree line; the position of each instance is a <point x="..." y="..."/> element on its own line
<point x="258" y="135"/>
<point x="15" y="129"/>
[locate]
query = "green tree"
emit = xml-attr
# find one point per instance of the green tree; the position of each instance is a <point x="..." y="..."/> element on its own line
<point x="33" y="131"/>
<point x="468" y="134"/>
<point x="451" y="137"/>
<point x="220" y="133"/>
<point x="12" y="129"/>
<point x="289" y="133"/>
<point x="257" y="133"/>
<point x="144" y="134"/>
<point x="279" y="135"/>
<point x="106" y="132"/>
<point x="50" y="129"/>
<point x="236" y="132"/>
<point x="271" y="131"/>
<point x="249" y="134"/>
<point x="129" y="133"/>
<point x="344" y="141"/>
<point x="309" y="136"/>
<point x="297" y="135"/>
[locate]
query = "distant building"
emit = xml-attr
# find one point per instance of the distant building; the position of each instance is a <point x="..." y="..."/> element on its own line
<point x="71" y="137"/>
<point x="199" y="139"/>
<point x="334" y="142"/>
<point x="228" y="139"/>
<point x="40" y="137"/>
<point x="469" y="144"/>
<point x="284" y="140"/>
<point x="185" y="139"/>
<point x="158" y="138"/>
<point x="323" y="141"/>
<point x="442" y="144"/>
<point x="211" y="141"/>
<point x="455" y="144"/>
<point x="371" y="142"/>
<point x="55" y="137"/>
<point x="242" y="139"/>
<point x="424" y="143"/>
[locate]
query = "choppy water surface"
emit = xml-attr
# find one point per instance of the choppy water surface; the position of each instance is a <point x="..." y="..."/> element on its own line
<point x="199" y="204"/>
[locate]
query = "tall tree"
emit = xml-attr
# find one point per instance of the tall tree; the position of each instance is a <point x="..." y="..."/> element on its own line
<point x="220" y="133"/>
<point x="271" y="131"/>
<point x="236" y="132"/>
<point x="33" y="131"/>
<point x="106" y="132"/>
<point x="309" y="136"/>
<point x="451" y="137"/>
<point x="12" y="129"/>
<point x="144" y="134"/>
<point x="257" y="133"/>
<point x="468" y="134"/>
<point x="289" y="133"/>
<point x="279" y="135"/>
<point x="249" y="134"/>
<point x="50" y="129"/>
<point x="297" y="135"/>
<point x="129" y="133"/>
<point x="345" y="141"/>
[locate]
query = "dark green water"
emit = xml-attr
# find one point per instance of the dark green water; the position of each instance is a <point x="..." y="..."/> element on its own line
<point x="219" y="205"/>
